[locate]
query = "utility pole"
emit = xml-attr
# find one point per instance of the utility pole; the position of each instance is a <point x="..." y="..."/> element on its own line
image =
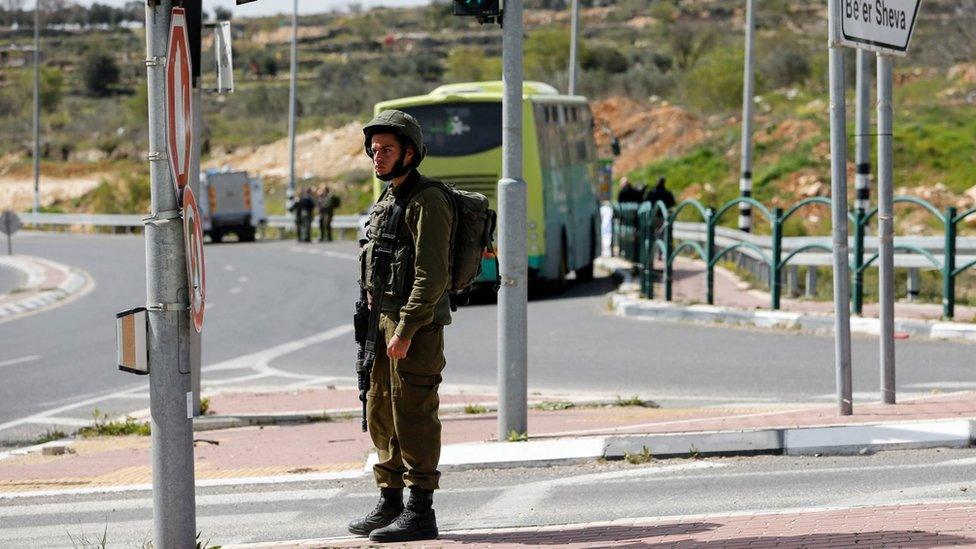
<point x="862" y="132"/>
<point x="513" y="260"/>
<point x="838" y="191"/>
<point x="573" y="37"/>
<point x="886" y="257"/>
<point x="174" y="506"/>
<point x="745" y="177"/>
<point x="37" y="106"/>
<point x="291" y="102"/>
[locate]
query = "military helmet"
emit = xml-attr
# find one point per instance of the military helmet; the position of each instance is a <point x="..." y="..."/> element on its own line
<point x="400" y="124"/>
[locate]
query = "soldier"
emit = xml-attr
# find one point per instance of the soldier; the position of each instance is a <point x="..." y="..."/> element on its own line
<point x="402" y="401"/>
<point x="327" y="202"/>
<point x="304" y="211"/>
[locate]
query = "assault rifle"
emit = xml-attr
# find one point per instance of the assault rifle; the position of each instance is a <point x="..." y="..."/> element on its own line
<point x="366" y="320"/>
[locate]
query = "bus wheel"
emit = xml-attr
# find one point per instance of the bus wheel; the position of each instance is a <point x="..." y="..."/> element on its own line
<point x="585" y="273"/>
<point x="216" y="236"/>
<point x="561" y="284"/>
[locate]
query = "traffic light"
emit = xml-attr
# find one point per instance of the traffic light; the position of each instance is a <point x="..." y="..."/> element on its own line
<point x="486" y="11"/>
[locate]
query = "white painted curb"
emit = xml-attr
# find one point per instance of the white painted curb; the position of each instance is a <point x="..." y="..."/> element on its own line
<point x="75" y="280"/>
<point x="835" y="440"/>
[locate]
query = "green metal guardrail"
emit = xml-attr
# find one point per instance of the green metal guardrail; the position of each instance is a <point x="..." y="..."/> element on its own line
<point x="642" y="231"/>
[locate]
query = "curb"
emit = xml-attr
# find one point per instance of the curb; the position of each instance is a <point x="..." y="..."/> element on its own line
<point x="75" y="280"/>
<point x="456" y="413"/>
<point x="801" y="441"/>
<point x="626" y="304"/>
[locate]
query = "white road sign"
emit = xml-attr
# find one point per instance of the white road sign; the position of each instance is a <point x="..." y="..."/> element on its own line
<point x="196" y="272"/>
<point x="179" y="101"/>
<point x="884" y="26"/>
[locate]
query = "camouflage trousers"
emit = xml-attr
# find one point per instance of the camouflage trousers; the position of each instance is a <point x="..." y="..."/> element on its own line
<point x="401" y="408"/>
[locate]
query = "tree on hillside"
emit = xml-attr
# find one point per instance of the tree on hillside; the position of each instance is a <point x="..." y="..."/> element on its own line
<point x="99" y="72"/>
<point x="222" y="14"/>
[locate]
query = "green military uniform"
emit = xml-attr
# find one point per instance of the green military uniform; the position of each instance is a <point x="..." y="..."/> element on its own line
<point x="402" y="402"/>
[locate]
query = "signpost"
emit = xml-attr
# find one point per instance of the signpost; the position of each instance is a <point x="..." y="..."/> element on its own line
<point x="9" y="224"/>
<point x="179" y="100"/>
<point x="195" y="269"/>
<point x="884" y="27"/>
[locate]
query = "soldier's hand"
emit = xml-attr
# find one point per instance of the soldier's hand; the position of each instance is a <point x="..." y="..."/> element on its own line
<point x="397" y="348"/>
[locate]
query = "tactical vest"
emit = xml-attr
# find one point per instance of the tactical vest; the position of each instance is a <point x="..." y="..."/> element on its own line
<point x="400" y="281"/>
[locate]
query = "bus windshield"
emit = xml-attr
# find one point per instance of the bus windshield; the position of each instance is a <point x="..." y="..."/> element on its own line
<point x="459" y="129"/>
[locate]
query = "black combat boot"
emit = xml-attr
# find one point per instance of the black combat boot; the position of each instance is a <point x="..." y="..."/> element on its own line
<point x="416" y="522"/>
<point x="387" y="510"/>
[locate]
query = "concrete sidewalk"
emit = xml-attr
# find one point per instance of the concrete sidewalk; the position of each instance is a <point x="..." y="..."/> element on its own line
<point x="333" y="446"/>
<point x="908" y="526"/>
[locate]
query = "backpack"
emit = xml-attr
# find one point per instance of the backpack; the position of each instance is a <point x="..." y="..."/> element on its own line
<point x="473" y="233"/>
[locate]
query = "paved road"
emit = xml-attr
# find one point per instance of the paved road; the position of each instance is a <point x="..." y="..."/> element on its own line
<point x="516" y="497"/>
<point x="279" y="313"/>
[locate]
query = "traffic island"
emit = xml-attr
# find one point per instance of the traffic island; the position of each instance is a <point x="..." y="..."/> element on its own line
<point x="47" y="284"/>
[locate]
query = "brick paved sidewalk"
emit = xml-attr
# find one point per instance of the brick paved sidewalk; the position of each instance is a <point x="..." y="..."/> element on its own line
<point x="339" y="447"/>
<point x="905" y="526"/>
<point x="690" y="287"/>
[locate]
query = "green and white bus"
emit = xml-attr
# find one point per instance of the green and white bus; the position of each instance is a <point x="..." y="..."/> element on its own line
<point x="462" y="126"/>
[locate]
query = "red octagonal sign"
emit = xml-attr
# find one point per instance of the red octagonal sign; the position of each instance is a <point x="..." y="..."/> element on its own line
<point x="179" y="101"/>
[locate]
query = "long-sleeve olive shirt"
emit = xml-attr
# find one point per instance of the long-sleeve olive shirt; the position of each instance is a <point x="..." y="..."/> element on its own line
<point x="428" y="224"/>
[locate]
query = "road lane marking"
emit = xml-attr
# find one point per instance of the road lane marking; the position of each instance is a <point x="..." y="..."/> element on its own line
<point x="524" y="499"/>
<point x="21" y="360"/>
<point x="233" y="498"/>
<point x="206" y="483"/>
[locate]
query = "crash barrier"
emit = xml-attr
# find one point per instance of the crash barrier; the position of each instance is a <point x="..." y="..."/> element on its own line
<point x="42" y="220"/>
<point x="646" y="231"/>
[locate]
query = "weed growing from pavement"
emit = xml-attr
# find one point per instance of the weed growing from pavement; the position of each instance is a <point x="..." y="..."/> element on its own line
<point x="148" y="544"/>
<point x="515" y="436"/>
<point x="85" y="542"/>
<point x="637" y="458"/>
<point x="475" y="409"/>
<point x="324" y="418"/>
<point x="694" y="452"/>
<point x="205" y="407"/>
<point x="635" y="401"/>
<point x="50" y="435"/>
<point x="551" y="405"/>
<point x="104" y="427"/>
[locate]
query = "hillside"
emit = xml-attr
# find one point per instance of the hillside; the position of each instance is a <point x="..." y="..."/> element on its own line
<point x="664" y="74"/>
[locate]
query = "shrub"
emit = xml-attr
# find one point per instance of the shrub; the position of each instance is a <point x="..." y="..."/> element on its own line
<point x="605" y="59"/>
<point x="715" y="82"/>
<point x="99" y="72"/>
<point x="785" y="68"/>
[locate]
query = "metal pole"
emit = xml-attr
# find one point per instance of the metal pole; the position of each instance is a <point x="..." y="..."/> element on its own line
<point x="886" y="257"/>
<point x="862" y="131"/>
<point x="573" y="37"/>
<point x="174" y="507"/>
<point x="513" y="261"/>
<point x="196" y="339"/>
<point x="745" y="178"/>
<point x="291" y="101"/>
<point x="838" y="191"/>
<point x="37" y="106"/>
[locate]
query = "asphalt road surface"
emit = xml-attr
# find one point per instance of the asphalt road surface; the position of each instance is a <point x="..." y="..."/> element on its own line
<point x="279" y="313"/>
<point x="512" y="497"/>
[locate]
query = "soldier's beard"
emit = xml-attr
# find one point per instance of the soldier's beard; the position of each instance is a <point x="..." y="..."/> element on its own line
<point x="397" y="170"/>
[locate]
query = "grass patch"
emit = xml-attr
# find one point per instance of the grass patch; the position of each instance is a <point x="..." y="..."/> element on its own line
<point x="106" y="428"/>
<point x="635" y="401"/>
<point x="475" y="409"/>
<point x="50" y="435"/>
<point x="515" y="436"/>
<point x="551" y="405"/>
<point x="637" y="458"/>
